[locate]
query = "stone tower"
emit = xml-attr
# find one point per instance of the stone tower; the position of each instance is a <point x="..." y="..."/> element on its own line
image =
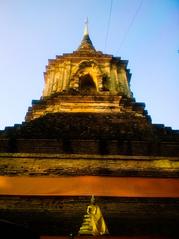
<point x="86" y="136"/>
<point x="96" y="82"/>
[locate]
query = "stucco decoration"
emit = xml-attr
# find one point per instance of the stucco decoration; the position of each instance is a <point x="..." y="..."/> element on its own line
<point x="84" y="68"/>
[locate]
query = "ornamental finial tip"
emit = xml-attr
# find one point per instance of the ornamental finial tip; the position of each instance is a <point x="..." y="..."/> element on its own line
<point x="86" y="27"/>
<point x="92" y="199"/>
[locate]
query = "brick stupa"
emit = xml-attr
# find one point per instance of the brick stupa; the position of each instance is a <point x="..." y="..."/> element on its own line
<point x="86" y="136"/>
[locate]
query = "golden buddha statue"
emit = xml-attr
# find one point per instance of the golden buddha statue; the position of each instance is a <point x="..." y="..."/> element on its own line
<point x="93" y="222"/>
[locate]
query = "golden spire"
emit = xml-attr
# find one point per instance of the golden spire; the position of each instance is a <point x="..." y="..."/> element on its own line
<point x="86" y="43"/>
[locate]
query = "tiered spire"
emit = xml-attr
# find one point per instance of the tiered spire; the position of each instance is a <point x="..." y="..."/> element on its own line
<point x="86" y="43"/>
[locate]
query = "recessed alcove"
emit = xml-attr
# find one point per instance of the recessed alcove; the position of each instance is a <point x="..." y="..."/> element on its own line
<point x="87" y="85"/>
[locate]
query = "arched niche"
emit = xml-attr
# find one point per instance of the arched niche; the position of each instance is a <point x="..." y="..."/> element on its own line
<point x="87" y="85"/>
<point x="90" y="72"/>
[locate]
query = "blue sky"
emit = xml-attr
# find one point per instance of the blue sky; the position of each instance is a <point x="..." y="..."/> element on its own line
<point x="145" y="32"/>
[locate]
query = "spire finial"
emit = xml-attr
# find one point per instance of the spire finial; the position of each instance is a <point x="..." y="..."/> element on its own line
<point x="86" y="44"/>
<point x="92" y="199"/>
<point x="86" y="27"/>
